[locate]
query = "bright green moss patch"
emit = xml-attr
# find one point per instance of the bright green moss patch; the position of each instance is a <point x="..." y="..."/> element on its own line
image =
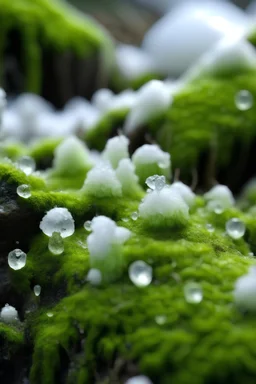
<point x="205" y="119"/>
<point x="12" y="150"/>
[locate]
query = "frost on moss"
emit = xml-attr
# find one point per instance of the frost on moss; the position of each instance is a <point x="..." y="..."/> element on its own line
<point x="118" y="320"/>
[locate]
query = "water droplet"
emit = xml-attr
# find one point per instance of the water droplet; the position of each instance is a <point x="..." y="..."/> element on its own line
<point x="134" y="216"/>
<point x="125" y="219"/>
<point x="56" y="244"/>
<point x="210" y="228"/>
<point x="160" y="319"/>
<point x="156" y="182"/>
<point x="17" y="259"/>
<point x="37" y="290"/>
<point x="26" y="164"/>
<point x="24" y="191"/>
<point x="216" y="207"/>
<point x="244" y="100"/>
<point x="193" y="293"/>
<point x="94" y="276"/>
<point x="87" y="225"/>
<point x="235" y="228"/>
<point x="82" y="244"/>
<point x="250" y="254"/>
<point x="49" y="314"/>
<point x="140" y="273"/>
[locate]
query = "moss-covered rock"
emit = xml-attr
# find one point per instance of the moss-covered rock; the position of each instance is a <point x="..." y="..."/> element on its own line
<point x="86" y="334"/>
<point x="43" y="58"/>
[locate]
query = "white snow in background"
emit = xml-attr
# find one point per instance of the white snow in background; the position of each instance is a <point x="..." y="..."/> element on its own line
<point x="179" y="38"/>
<point x="152" y="99"/>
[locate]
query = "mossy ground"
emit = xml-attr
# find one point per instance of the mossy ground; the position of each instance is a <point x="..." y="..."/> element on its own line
<point x="96" y="328"/>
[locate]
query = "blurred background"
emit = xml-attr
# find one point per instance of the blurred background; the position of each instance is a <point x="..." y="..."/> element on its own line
<point x="128" y="20"/>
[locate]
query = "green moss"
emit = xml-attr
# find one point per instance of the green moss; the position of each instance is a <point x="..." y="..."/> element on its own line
<point x="11" y="340"/>
<point x="204" y="119"/>
<point x="120" y="319"/>
<point x="12" y="150"/>
<point x="44" y="150"/>
<point x="39" y="23"/>
<point x="105" y="128"/>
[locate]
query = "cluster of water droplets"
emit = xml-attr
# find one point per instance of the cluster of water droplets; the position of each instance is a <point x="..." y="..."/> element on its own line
<point x="156" y="182"/>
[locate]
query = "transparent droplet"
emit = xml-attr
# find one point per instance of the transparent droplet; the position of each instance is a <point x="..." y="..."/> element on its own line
<point x="156" y="182"/>
<point x="134" y="216"/>
<point x="160" y="319"/>
<point x="37" y="290"/>
<point x="26" y="164"/>
<point x="140" y="273"/>
<point x="87" y="225"/>
<point x="250" y="254"/>
<point x="82" y="244"/>
<point x="193" y="293"/>
<point x="17" y="259"/>
<point x="244" y="100"/>
<point x="125" y="219"/>
<point x="49" y="314"/>
<point x="210" y="228"/>
<point x="235" y="228"/>
<point x="215" y="206"/>
<point x="23" y="190"/>
<point x="56" y="244"/>
<point x="94" y="276"/>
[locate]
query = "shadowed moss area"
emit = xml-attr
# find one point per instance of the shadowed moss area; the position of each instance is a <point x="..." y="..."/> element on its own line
<point x="39" y="23"/>
<point x="12" y="338"/>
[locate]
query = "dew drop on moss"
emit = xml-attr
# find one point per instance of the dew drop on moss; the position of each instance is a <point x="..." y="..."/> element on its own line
<point x="55" y="244"/>
<point x="134" y="216"/>
<point x="125" y="219"/>
<point x="26" y="164"/>
<point x="87" y="225"/>
<point x="23" y="191"/>
<point x="140" y="273"/>
<point x="243" y="100"/>
<point x="215" y="206"/>
<point x="17" y="259"/>
<point x="49" y="314"/>
<point x="156" y="182"/>
<point x="193" y="293"/>
<point x="235" y="228"/>
<point x="37" y="290"/>
<point x="210" y="228"/>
